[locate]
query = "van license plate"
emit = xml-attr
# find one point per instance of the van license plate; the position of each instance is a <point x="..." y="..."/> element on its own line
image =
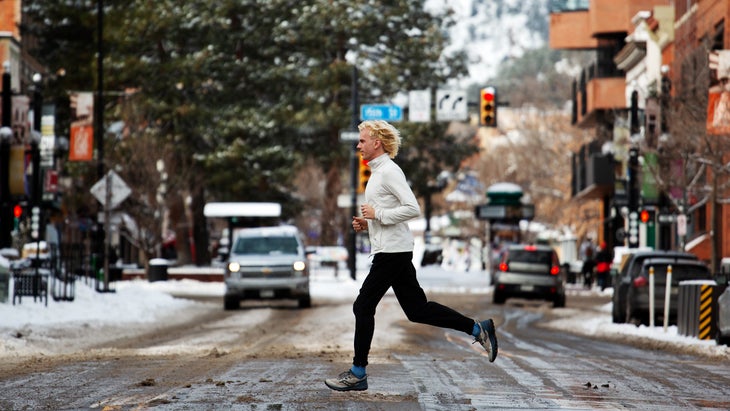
<point x="527" y="288"/>
<point x="266" y="293"/>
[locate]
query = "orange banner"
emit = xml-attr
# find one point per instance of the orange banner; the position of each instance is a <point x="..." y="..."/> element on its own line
<point x="718" y="112"/>
<point x="81" y="147"/>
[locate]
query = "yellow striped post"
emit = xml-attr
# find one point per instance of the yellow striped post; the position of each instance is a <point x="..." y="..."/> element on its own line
<point x="705" y="328"/>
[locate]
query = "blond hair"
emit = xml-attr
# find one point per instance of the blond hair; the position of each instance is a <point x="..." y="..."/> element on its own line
<point x="388" y="135"/>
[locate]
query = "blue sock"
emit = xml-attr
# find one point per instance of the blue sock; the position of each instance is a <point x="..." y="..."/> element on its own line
<point x="475" y="330"/>
<point x="358" y="371"/>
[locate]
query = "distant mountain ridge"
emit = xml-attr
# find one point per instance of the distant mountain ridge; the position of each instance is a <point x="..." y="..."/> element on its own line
<point x="492" y="31"/>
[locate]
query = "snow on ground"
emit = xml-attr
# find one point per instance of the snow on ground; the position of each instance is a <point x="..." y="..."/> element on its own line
<point x="602" y="326"/>
<point x="32" y="328"/>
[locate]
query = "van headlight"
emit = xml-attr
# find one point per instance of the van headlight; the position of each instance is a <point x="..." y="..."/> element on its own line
<point x="234" y="267"/>
<point x="299" y="266"/>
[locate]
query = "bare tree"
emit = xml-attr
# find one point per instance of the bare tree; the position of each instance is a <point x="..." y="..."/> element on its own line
<point x="692" y="165"/>
<point x="535" y="155"/>
<point x="136" y="156"/>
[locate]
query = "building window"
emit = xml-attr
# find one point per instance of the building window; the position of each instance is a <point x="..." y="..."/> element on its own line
<point x="561" y="6"/>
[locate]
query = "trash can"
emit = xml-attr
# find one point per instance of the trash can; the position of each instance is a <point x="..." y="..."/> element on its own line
<point x="157" y="270"/>
<point x="4" y="284"/>
<point x="697" y="308"/>
<point x="115" y="274"/>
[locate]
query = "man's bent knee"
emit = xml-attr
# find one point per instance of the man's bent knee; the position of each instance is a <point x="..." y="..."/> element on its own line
<point x="362" y="310"/>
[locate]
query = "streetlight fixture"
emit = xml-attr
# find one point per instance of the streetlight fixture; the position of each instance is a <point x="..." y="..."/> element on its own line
<point x="37" y="101"/>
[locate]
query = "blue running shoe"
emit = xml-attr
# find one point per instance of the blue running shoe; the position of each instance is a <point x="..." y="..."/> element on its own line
<point x="347" y="381"/>
<point x="487" y="338"/>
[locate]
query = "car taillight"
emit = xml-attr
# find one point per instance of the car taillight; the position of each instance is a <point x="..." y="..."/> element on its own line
<point x="503" y="267"/>
<point x="640" y="281"/>
<point x="554" y="270"/>
<point x="530" y="248"/>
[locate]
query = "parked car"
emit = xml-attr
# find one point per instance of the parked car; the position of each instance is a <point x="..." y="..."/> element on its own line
<point x="723" y="318"/>
<point x="529" y="271"/>
<point x="629" y="269"/>
<point x="638" y="297"/>
<point x="328" y="256"/>
<point x="620" y="256"/>
<point x="267" y="263"/>
<point x="722" y="335"/>
<point x="432" y="252"/>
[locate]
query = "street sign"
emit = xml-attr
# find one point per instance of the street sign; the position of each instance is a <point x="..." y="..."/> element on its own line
<point x="381" y="112"/>
<point x="505" y="212"/>
<point x="119" y="190"/>
<point x="349" y="136"/>
<point x="666" y="218"/>
<point x="451" y="105"/>
<point x="46" y="147"/>
<point x="681" y="225"/>
<point x="419" y="106"/>
<point x="633" y="229"/>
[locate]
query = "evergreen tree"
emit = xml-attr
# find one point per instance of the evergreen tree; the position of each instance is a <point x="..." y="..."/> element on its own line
<point x="232" y="99"/>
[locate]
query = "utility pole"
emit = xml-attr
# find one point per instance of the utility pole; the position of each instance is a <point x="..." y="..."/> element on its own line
<point x="99" y="133"/>
<point x="633" y="197"/>
<point x="6" y="134"/>
<point x="352" y="251"/>
<point x="36" y="195"/>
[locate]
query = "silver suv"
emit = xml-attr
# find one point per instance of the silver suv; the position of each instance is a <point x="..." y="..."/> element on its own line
<point x="267" y="263"/>
<point x="529" y="271"/>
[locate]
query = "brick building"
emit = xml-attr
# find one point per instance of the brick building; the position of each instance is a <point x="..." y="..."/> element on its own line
<point x="654" y="86"/>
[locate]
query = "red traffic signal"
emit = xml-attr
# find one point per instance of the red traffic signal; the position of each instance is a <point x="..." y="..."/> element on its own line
<point x="17" y="211"/>
<point x="646" y="216"/>
<point x="488" y="107"/>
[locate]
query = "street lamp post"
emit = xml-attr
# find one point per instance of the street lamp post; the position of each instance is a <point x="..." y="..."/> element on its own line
<point x="35" y="153"/>
<point x="6" y="96"/>
<point x="103" y="258"/>
<point x="36" y="213"/>
<point x="352" y="251"/>
<point x="37" y="101"/>
<point x="6" y="216"/>
<point x="6" y="134"/>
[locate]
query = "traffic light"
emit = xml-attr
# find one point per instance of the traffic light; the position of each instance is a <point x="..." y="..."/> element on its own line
<point x="364" y="172"/>
<point x="488" y="107"/>
<point x="647" y="215"/>
<point x="17" y="213"/>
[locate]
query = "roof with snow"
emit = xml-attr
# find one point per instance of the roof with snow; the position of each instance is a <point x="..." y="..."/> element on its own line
<point x="242" y="210"/>
<point x="504" y="188"/>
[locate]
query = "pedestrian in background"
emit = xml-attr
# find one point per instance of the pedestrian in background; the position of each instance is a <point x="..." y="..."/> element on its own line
<point x="589" y="263"/>
<point x="389" y="204"/>
<point x="603" y="265"/>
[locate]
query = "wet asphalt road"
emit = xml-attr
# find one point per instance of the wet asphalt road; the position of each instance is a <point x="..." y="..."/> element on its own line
<point x="275" y="357"/>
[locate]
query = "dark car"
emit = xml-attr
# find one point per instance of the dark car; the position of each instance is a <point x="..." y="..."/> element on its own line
<point x="531" y="272"/>
<point x="722" y="335"/>
<point x="723" y="318"/>
<point x="638" y="295"/>
<point x="629" y="270"/>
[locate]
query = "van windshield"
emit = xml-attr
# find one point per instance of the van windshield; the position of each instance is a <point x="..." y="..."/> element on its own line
<point x="266" y="245"/>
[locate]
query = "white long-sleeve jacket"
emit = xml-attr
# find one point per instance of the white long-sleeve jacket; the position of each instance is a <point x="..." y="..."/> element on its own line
<point x="390" y="195"/>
